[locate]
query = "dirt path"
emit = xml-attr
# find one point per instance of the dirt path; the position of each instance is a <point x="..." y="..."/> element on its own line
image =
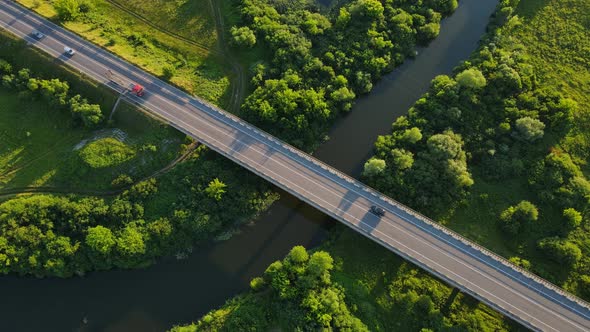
<point x="240" y="87"/>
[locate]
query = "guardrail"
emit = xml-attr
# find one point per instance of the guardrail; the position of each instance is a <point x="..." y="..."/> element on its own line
<point x="422" y="218"/>
<point x="509" y="267"/>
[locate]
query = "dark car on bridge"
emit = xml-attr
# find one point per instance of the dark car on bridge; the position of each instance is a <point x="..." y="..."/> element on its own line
<point x="377" y="211"/>
<point x="37" y="34"/>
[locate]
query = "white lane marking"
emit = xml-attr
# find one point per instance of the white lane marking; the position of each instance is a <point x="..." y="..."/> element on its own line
<point x="215" y="115"/>
<point x="441" y="267"/>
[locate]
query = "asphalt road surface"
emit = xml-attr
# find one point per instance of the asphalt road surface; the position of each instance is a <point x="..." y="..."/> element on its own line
<point x="520" y="295"/>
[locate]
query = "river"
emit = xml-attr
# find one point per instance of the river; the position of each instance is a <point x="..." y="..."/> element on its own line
<point x="176" y="292"/>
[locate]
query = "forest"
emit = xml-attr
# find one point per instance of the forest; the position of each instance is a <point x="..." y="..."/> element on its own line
<point x="320" y="62"/>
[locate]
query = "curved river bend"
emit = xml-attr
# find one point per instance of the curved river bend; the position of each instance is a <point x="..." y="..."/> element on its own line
<point x="175" y="292"/>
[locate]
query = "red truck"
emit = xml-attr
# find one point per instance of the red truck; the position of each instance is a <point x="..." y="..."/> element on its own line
<point x="138" y="90"/>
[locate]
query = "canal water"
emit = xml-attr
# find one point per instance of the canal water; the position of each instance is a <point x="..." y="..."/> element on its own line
<point x="175" y="292"/>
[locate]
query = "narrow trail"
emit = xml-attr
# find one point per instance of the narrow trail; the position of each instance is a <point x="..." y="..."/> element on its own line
<point x="239" y="88"/>
<point x="95" y="192"/>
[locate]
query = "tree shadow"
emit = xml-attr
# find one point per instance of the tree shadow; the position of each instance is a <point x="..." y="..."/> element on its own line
<point x="240" y="143"/>
<point x="347" y="201"/>
<point x="446" y="307"/>
<point x="369" y="222"/>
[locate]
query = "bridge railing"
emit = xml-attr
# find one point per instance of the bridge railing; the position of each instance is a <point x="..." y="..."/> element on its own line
<point x="466" y="242"/>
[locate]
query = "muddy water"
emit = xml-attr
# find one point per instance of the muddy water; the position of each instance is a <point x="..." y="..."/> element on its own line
<point x="171" y="291"/>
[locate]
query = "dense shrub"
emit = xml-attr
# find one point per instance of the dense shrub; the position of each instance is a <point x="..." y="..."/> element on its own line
<point x="243" y="37"/>
<point x="561" y="251"/>
<point x="53" y="91"/>
<point x="298" y="292"/>
<point x="67" y="10"/>
<point x="106" y="152"/>
<point x="321" y="62"/>
<point x="515" y="217"/>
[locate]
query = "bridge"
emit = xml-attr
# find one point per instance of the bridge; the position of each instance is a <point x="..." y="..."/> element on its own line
<point x="518" y="294"/>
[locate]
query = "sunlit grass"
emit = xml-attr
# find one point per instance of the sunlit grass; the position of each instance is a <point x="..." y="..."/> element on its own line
<point x="195" y="69"/>
<point x="38" y="147"/>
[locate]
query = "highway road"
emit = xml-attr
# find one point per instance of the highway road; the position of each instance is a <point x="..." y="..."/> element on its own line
<point x="516" y="293"/>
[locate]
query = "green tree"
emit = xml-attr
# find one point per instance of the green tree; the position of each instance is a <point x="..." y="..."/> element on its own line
<point x="471" y="78"/>
<point x="243" y="37"/>
<point x="515" y="217"/>
<point x="67" y="10"/>
<point x="412" y="135"/>
<point x="90" y="114"/>
<point x="130" y="242"/>
<point x="561" y="251"/>
<point x="584" y="286"/>
<point x="216" y="189"/>
<point x="402" y="159"/>
<point x="573" y="218"/>
<point x="374" y="166"/>
<point x="443" y="146"/>
<point x="446" y="7"/>
<point x="428" y="32"/>
<point x="100" y="239"/>
<point x="529" y="129"/>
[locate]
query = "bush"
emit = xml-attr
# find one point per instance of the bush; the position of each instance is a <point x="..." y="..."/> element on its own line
<point x="168" y="72"/>
<point x="85" y="6"/>
<point x="521" y="262"/>
<point x="257" y="284"/>
<point x="106" y="152"/>
<point x="243" y="37"/>
<point x="515" y="217"/>
<point x="471" y="78"/>
<point x="67" y="10"/>
<point x="561" y="251"/>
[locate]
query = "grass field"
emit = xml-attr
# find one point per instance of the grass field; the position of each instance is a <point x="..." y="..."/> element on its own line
<point x="191" y="19"/>
<point x="42" y="147"/>
<point x="190" y="67"/>
<point x="555" y="34"/>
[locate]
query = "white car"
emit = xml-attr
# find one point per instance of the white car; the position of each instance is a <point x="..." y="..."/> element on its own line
<point x="37" y="34"/>
<point x="68" y="51"/>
